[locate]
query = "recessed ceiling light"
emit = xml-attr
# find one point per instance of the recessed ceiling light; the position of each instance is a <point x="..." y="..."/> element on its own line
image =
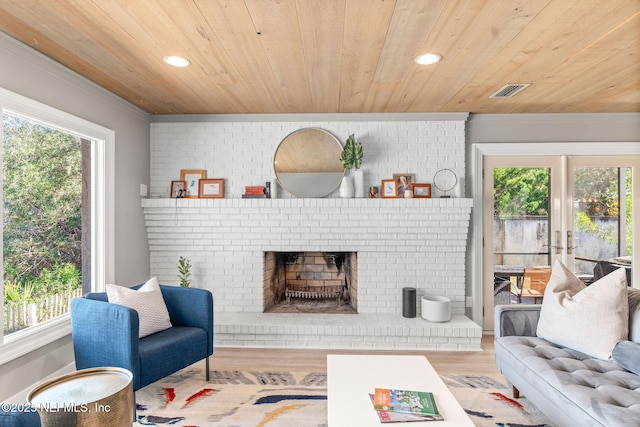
<point x="428" y="58"/>
<point x="177" y="61"/>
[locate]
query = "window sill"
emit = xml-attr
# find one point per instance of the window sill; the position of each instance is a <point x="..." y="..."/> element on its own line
<point x="28" y="340"/>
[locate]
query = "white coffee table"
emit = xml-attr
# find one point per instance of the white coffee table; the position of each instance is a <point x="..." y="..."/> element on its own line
<point x="351" y="378"/>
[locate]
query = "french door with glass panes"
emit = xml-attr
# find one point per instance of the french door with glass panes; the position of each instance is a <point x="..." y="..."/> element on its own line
<point x="578" y="210"/>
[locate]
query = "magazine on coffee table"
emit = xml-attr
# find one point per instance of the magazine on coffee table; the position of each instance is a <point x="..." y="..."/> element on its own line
<point x="405" y="401"/>
<point x="398" y="417"/>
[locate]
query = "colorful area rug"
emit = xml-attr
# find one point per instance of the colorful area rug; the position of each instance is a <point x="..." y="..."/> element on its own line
<point x="298" y="399"/>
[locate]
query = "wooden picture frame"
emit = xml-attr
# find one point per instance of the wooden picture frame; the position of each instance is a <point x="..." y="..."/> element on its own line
<point x="389" y="188"/>
<point x="192" y="177"/>
<point x="178" y="189"/>
<point x="422" y="191"/>
<point x="211" y="188"/>
<point x="404" y="181"/>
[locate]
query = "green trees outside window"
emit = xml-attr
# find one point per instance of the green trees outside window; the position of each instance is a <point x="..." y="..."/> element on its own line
<point x="523" y="192"/>
<point x="42" y="227"/>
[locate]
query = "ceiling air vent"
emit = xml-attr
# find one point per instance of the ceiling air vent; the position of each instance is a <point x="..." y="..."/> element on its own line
<point x="510" y="90"/>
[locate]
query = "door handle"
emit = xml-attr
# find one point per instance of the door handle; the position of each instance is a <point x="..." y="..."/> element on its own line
<point x="570" y="242"/>
<point x="557" y="247"/>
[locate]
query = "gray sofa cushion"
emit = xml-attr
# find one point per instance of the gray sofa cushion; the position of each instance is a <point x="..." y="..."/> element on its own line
<point x="586" y="390"/>
<point x="627" y="355"/>
<point x="520" y="319"/>
<point x="634" y="314"/>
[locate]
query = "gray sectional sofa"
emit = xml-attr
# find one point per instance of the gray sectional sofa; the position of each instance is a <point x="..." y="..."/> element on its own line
<point x="569" y="387"/>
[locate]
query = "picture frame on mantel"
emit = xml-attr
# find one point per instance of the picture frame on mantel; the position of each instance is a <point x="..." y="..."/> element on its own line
<point x="405" y="182"/>
<point x="212" y="188"/>
<point x="422" y="191"/>
<point x="178" y="189"/>
<point x="192" y="178"/>
<point x="389" y="189"/>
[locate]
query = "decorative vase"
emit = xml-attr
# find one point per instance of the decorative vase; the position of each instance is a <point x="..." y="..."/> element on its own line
<point x="346" y="188"/>
<point x="358" y="184"/>
<point x="409" y="302"/>
<point x="436" y="308"/>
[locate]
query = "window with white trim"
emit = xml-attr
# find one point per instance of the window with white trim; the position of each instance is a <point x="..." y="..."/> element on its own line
<point x="57" y="172"/>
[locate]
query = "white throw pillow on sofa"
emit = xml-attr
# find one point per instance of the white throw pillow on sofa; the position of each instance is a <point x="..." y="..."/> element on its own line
<point x="590" y="319"/>
<point x="147" y="301"/>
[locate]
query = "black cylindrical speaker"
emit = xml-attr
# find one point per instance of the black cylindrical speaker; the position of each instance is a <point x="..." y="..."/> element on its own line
<point x="409" y="302"/>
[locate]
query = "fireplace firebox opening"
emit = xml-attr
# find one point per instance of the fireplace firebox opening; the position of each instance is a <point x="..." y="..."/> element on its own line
<point x="310" y="282"/>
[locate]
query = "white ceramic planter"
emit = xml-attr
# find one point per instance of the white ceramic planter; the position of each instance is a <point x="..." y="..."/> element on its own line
<point x="436" y="308"/>
<point x="346" y="187"/>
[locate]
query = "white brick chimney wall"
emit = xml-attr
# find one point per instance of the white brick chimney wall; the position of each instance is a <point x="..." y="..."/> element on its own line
<point x="400" y="242"/>
<point x="418" y="243"/>
<point x="242" y="152"/>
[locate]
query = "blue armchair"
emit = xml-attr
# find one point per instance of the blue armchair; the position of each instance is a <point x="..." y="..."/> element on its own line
<point x="10" y="418"/>
<point x="106" y="334"/>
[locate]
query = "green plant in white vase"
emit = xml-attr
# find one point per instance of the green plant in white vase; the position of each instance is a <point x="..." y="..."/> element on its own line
<point x="352" y="158"/>
<point x="184" y="272"/>
<point x="352" y="153"/>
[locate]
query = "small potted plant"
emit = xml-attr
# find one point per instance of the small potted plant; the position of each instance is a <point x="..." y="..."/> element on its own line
<point x="352" y="158"/>
<point x="184" y="272"/>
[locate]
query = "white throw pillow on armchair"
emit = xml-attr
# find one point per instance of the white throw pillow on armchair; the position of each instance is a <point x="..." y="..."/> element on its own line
<point x="590" y="319"/>
<point x="147" y="301"/>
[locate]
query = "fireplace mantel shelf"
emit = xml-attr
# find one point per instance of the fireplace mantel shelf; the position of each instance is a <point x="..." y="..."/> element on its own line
<point x="306" y="203"/>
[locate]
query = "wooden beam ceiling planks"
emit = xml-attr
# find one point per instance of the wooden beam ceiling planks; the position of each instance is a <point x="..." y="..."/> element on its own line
<point x="305" y="56"/>
<point x="364" y="35"/>
<point x="281" y="39"/>
<point x="240" y="39"/>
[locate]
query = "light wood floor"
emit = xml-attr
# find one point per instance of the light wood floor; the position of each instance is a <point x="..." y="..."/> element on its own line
<point x="444" y="362"/>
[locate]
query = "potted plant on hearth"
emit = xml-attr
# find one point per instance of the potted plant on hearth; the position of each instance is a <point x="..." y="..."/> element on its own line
<point x="184" y="272"/>
<point x="352" y="158"/>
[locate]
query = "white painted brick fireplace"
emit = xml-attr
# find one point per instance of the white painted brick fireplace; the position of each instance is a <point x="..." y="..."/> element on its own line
<point x="419" y="243"/>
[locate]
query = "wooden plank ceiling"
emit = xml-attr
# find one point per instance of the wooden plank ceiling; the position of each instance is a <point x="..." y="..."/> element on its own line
<point x="310" y="56"/>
